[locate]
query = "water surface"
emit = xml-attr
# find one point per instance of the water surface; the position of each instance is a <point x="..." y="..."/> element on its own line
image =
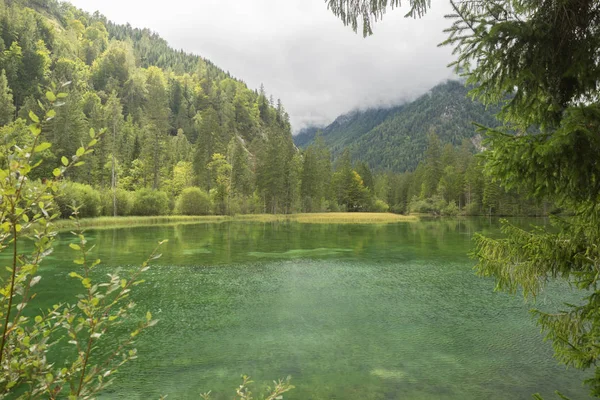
<point x="349" y="311"/>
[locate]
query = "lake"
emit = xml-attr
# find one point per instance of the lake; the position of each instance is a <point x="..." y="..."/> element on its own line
<point x="349" y="311"/>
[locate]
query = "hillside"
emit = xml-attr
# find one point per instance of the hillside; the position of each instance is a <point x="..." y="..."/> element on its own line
<point x="395" y="139"/>
<point x="169" y="112"/>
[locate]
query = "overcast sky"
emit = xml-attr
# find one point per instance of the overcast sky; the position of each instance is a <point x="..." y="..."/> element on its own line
<point x="300" y="51"/>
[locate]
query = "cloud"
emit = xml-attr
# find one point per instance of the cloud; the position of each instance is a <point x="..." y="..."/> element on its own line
<point x="299" y="50"/>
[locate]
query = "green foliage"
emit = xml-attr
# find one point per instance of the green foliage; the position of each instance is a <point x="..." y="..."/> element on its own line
<point x="380" y="206"/>
<point x="316" y="177"/>
<point x="124" y="201"/>
<point x="7" y="108"/>
<point x="431" y="205"/>
<point x="451" y="209"/>
<point x="163" y="108"/>
<point x="150" y="202"/>
<point x="366" y="12"/>
<point x="27" y="212"/>
<point x="84" y="197"/>
<point x="193" y="201"/>
<point x="536" y="59"/>
<point x="221" y="175"/>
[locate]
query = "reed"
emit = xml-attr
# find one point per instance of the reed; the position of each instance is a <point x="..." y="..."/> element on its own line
<point x="101" y="222"/>
<point x="312" y="218"/>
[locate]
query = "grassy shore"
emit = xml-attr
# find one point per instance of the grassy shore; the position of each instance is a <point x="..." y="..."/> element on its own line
<point x="330" y="218"/>
<point x="313" y="218"/>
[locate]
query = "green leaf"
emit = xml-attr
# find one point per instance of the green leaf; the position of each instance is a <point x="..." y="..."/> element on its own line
<point x="50" y="96"/>
<point x="56" y="172"/>
<point x="148" y="316"/>
<point x="75" y="275"/>
<point x="33" y="117"/>
<point x="50" y="114"/>
<point x="74" y="246"/>
<point x="49" y="377"/>
<point x="80" y="152"/>
<point x="61" y="95"/>
<point x="87" y="283"/>
<point x="35" y="129"/>
<point x="64" y="160"/>
<point x="79" y="163"/>
<point x="42" y="146"/>
<point x="38" y="319"/>
<point x="123" y="283"/>
<point x="92" y="133"/>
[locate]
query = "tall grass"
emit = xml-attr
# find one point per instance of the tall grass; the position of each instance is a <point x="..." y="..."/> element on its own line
<point x="331" y="218"/>
<point x="315" y="218"/>
<point x="140" y="220"/>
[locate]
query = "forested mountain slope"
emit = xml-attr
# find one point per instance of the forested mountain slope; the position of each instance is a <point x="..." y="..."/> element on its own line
<point x="168" y="113"/>
<point x="346" y="129"/>
<point x="395" y="139"/>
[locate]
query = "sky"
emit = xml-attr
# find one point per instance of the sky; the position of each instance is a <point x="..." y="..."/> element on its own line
<point x="299" y="50"/>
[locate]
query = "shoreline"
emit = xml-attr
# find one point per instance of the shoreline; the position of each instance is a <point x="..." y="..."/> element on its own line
<point x="308" y="218"/>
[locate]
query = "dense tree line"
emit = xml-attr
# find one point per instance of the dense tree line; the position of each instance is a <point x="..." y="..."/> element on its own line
<point x="450" y="180"/>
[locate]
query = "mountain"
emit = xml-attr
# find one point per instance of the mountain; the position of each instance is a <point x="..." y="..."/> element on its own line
<point x="395" y="139"/>
<point x="346" y="128"/>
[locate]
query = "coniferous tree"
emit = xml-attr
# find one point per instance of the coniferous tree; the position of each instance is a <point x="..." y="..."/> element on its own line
<point x="158" y="120"/>
<point x="7" y="107"/>
<point x="433" y="166"/>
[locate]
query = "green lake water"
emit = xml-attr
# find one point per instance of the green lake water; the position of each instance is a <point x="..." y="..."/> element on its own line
<point x="349" y="311"/>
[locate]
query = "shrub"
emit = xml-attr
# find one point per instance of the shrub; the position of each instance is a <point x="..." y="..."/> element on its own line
<point x="193" y="201"/>
<point x="150" y="202"/>
<point x="125" y="200"/>
<point x="399" y="208"/>
<point x="80" y="195"/>
<point x="451" y="209"/>
<point x="30" y="368"/>
<point x="433" y="205"/>
<point x="473" y="208"/>
<point x="380" y="206"/>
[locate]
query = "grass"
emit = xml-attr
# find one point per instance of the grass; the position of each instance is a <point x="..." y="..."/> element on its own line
<point x="101" y="222"/>
<point x="313" y="218"/>
<point x="330" y="218"/>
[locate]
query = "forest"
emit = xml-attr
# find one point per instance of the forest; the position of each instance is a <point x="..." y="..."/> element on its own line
<point x="181" y="136"/>
<point x="395" y="139"/>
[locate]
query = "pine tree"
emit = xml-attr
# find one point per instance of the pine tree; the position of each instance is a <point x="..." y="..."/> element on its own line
<point x="433" y="166"/>
<point x="241" y="174"/>
<point x="207" y="144"/>
<point x="114" y="119"/>
<point x="157" y="112"/>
